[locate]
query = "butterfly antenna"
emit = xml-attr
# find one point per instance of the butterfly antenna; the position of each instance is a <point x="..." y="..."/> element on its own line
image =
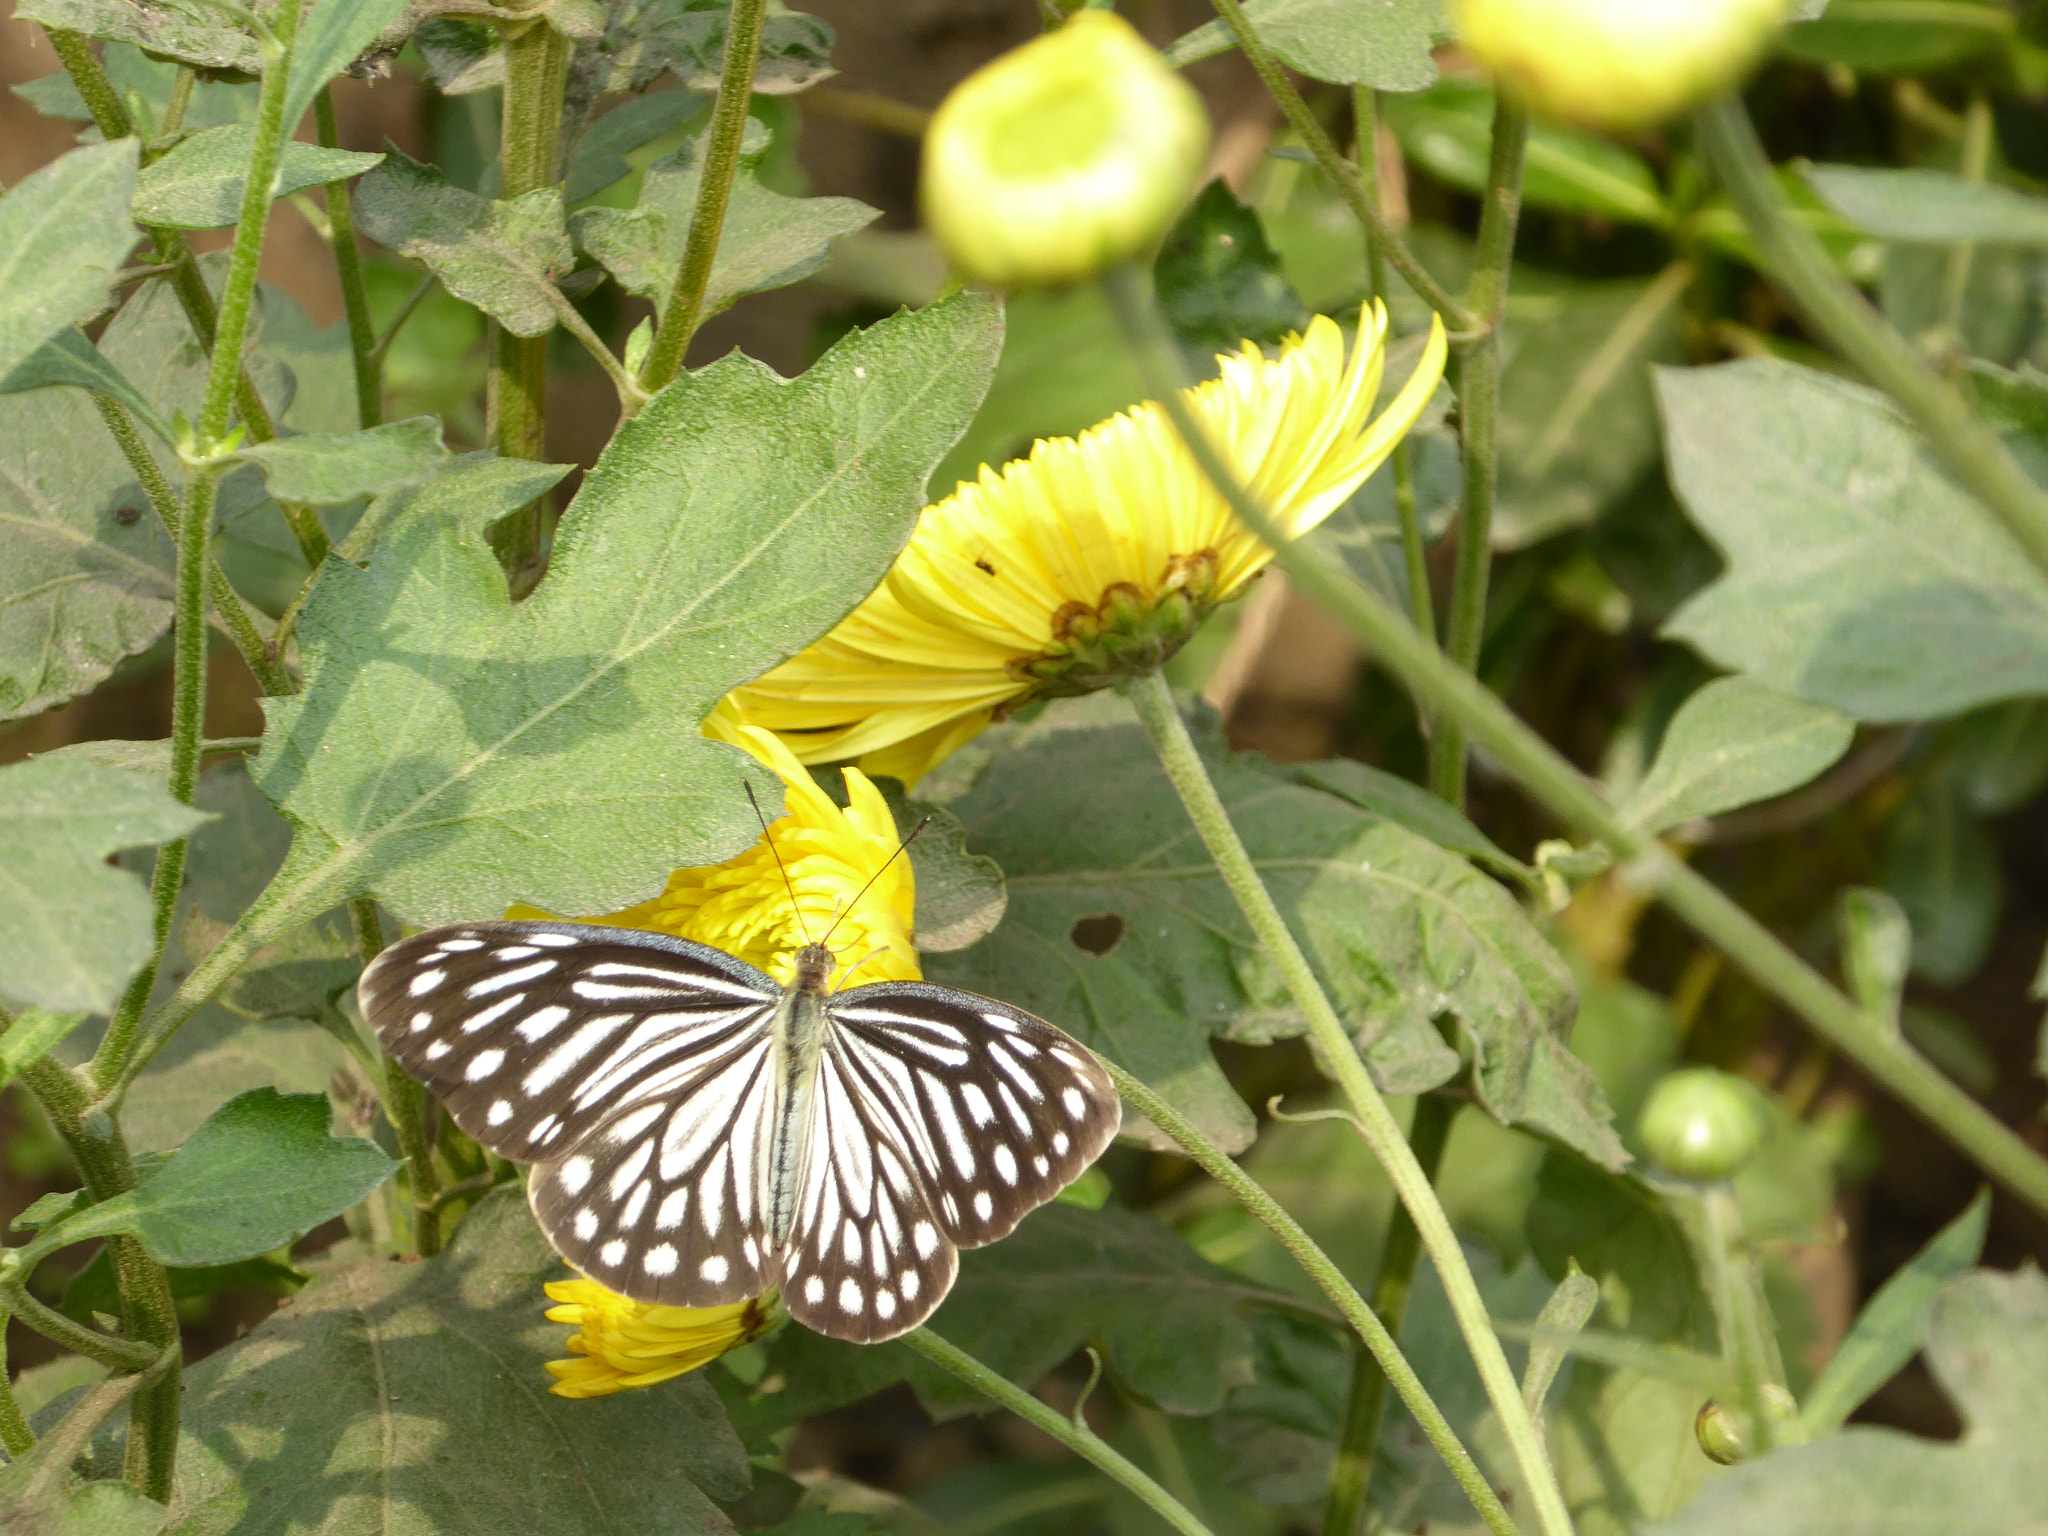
<point x="776" y="854"/>
<point x="907" y="841"/>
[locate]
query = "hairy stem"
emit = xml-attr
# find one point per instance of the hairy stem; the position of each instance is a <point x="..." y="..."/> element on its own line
<point x="16" y="1438"/>
<point x="1344" y="176"/>
<point x="404" y="1103"/>
<point x="1379" y="1343"/>
<point x="721" y="159"/>
<point x="1071" y="1433"/>
<point x="1796" y="261"/>
<point x="348" y="269"/>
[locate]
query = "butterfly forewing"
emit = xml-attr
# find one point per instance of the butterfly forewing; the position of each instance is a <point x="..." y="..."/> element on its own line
<point x="647" y="1078"/>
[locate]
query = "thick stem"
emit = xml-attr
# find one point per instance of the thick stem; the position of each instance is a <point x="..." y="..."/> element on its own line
<point x="1479" y="420"/>
<point x="115" y="1354"/>
<point x="1319" y="1268"/>
<point x="721" y="160"/>
<point x="1796" y="261"/>
<point x="1351" y="1473"/>
<point x="16" y="1438"/>
<point x="1152" y="699"/>
<point x="1071" y="1433"/>
<point x="1343" y="175"/>
<point x="536" y="73"/>
<point x="348" y="268"/>
<point x="91" y="82"/>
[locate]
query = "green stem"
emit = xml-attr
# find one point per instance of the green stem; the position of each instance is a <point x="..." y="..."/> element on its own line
<point x="348" y="268"/>
<point x="149" y="1315"/>
<point x="1152" y="699"/>
<point x="382" y="346"/>
<point x="1071" y="1433"/>
<point x="721" y="154"/>
<point x="1975" y="166"/>
<point x="1344" y="176"/>
<point x="1796" y="261"/>
<point x="91" y="82"/>
<point x="115" y="1354"/>
<point x="631" y="395"/>
<point x="16" y="1438"/>
<point x="1351" y="1472"/>
<point x="1731" y="1282"/>
<point x="1479" y="419"/>
<point x="404" y="1103"/>
<point x="1317" y="1265"/>
<point x="529" y="145"/>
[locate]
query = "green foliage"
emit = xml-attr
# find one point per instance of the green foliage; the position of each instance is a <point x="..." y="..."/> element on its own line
<point x="63" y="231"/>
<point x="1383" y="46"/>
<point x="1930" y="206"/>
<point x="198" y="185"/>
<point x="1220" y="282"/>
<point x="1731" y="744"/>
<point x="327" y="469"/>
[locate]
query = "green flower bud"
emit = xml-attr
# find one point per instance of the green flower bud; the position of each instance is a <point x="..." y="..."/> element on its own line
<point x="1723" y="1435"/>
<point x="1062" y="157"/>
<point x="1701" y="1124"/>
<point x="1616" y="64"/>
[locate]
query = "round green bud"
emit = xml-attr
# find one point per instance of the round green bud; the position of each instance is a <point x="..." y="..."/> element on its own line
<point x="1721" y="1432"/>
<point x="1701" y="1124"/>
<point x="1616" y="64"/>
<point x="1062" y="157"/>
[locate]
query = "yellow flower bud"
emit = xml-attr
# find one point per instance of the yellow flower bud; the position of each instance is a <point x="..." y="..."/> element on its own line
<point x="1616" y="64"/>
<point x="1062" y="157"/>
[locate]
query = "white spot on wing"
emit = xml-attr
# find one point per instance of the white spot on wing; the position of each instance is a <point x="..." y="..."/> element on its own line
<point x="885" y="1305"/>
<point x="979" y="1110"/>
<point x="500" y="1112"/>
<point x="513" y="978"/>
<point x="715" y="1269"/>
<point x="670" y="1215"/>
<point x="613" y="1252"/>
<point x="660" y="1260"/>
<point x="1076" y="1102"/>
<point x="483" y="1066"/>
<point x="439" y="1049"/>
<point x="484" y="1018"/>
<point x="586" y="1224"/>
<point x="1006" y="1164"/>
<point x="849" y="1295"/>
<point x="925" y="1237"/>
<point x="814" y="1290"/>
<point x="574" y="1174"/>
<point x="629" y="1213"/>
<point x="539" y="1024"/>
<point x="910" y="1284"/>
<point x="984" y="1207"/>
<point x="425" y="982"/>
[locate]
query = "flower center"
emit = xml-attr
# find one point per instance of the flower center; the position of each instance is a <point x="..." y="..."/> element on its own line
<point x="1125" y="634"/>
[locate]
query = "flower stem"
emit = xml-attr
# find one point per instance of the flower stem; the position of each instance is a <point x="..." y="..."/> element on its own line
<point x="1796" y="261"/>
<point x="1343" y="176"/>
<point x="1070" y="1432"/>
<point x="1153" y="700"/>
<point x="721" y="152"/>
<point x="1351" y="1473"/>
<point x="348" y="269"/>
<point x="1378" y="1341"/>
<point x="1479" y="420"/>
<point x="529" y="146"/>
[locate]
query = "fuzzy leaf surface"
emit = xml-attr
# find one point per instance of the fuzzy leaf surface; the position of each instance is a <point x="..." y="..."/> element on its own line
<point x="1733" y="743"/>
<point x="1385" y="45"/>
<point x="326" y="469"/>
<point x="63" y="232"/>
<point x="198" y="185"/>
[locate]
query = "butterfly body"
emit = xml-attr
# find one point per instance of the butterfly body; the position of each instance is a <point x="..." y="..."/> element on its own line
<point x="701" y="1133"/>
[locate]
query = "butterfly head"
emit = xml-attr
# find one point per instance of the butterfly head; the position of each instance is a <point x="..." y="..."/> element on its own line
<point x="814" y="965"/>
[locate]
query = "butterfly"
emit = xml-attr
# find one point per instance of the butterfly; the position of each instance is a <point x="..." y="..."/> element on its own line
<point x="701" y="1133"/>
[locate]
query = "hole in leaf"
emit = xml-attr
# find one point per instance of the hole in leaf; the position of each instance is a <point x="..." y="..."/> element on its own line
<point x="1098" y="934"/>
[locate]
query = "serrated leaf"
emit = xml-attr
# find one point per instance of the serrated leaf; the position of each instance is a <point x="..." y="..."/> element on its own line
<point x="1171" y="1326"/>
<point x="502" y="257"/>
<point x="198" y="185"/>
<point x="1886" y="1333"/>
<point x="1936" y="207"/>
<point x="1386" y="46"/>
<point x="768" y="240"/>
<point x="1859" y="575"/>
<point x="457" y="753"/>
<point x="327" y="469"/>
<point x="1219" y="280"/>
<point x="73" y="930"/>
<point x="1120" y="929"/>
<point x="410" y="1400"/>
<point x="32" y="1035"/>
<point x="189" y="31"/>
<point x="329" y="37"/>
<point x="64" y="230"/>
<point x="687" y="38"/>
<point x="1987" y="1345"/>
<point x="262" y="1171"/>
<point x="1733" y="743"/>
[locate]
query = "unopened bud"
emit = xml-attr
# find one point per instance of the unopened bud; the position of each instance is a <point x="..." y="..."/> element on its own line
<point x="1701" y="1124"/>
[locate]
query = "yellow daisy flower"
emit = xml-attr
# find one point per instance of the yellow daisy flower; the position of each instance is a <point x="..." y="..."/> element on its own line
<point x="743" y="907"/>
<point x="1089" y="561"/>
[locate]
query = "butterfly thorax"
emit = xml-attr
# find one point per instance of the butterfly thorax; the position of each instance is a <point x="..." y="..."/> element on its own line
<point x="799" y="1030"/>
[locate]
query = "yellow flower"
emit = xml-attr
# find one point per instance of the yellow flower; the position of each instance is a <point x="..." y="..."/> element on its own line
<point x="621" y="1343"/>
<point x="743" y="907"/>
<point x="1089" y="561"/>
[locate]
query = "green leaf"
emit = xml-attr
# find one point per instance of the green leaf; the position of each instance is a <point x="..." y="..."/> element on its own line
<point x="1578" y="424"/>
<point x="144" y="86"/>
<point x="768" y="240"/>
<point x="1120" y="929"/>
<point x="198" y="185"/>
<point x="1941" y="864"/>
<point x="329" y="37"/>
<point x="1933" y="206"/>
<point x="327" y="469"/>
<point x="1220" y="282"/>
<point x="1987" y="1345"/>
<point x="1386" y="46"/>
<point x="1409" y="805"/>
<point x="1887" y="1331"/>
<point x="1885" y="37"/>
<point x="502" y="257"/>
<point x="960" y="895"/>
<point x="1859" y="576"/>
<point x="73" y="930"/>
<point x="1170" y="1325"/>
<point x="1877" y="944"/>
<point x="1733" y="743"/>
<point x="1998" y="756"/>
<point x="63" y="233"/>
<point x="411" y="1398"/>
<point x="261" y="1171"/>
<point x="37" y="1497"/>
<point x="687" y="37"/>
<point x="1448" y="129"/>
<point x="34" y="1032"/>
<point x="189" y="31"/>
<point x="600" y="157"/>
<point x="457" y="753"/>
<point x="67" y="358"/>
<point x="1622" y="1233"/>
<point x="93" y="1288"/>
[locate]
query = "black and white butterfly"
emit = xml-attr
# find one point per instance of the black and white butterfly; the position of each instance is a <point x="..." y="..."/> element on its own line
<point x="701" y="1133"/>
